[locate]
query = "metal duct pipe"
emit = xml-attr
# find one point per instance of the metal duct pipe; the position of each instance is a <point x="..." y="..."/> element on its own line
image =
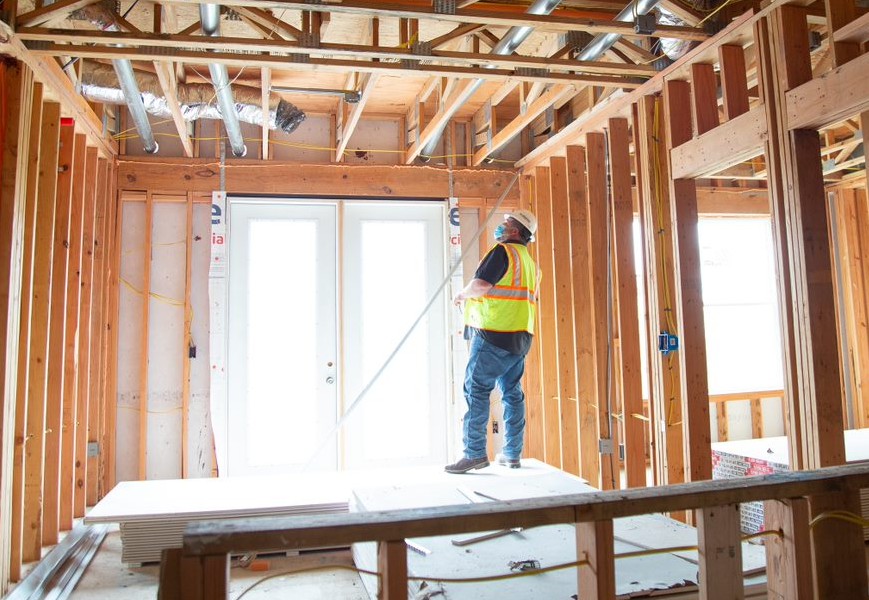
<point x="124" y="71"/>
<point x="508" y="44"/>
<point x="604" y="41"/>
<point x="209" y="15"/>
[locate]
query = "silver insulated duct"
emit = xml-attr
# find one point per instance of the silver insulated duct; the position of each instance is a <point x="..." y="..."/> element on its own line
<point x="197" y="100"/>
<point x="209" y="15"/>
<point x="604" y="41"/>
<point x="508" y="44"/>
<point x="103" y="18"/>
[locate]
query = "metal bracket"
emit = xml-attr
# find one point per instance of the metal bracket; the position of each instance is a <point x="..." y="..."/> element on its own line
<point x="531" y="72"/>
<point x="606" y="445"/>
<point x="299" y="58"/>
<point x="93" y="449"/>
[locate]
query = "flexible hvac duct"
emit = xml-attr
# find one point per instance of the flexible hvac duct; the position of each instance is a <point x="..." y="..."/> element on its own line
<point x="197" y="100"/>
<point x="100" y="15"/>
<point x="508" y="44"/>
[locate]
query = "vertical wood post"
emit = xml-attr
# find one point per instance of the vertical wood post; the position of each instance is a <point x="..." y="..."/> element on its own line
<point x="595" y="543"/>
<point x="720" y="551"/>
<point x="392" y="565"/>
<point x="789" y="557"/>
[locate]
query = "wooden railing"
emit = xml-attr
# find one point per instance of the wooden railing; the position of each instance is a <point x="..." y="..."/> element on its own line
<point x="201" y="570"/>
<point x="755" y="398"/>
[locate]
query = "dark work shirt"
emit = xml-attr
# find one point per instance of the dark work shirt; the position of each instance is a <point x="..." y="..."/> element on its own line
<point x="491" y="269"/>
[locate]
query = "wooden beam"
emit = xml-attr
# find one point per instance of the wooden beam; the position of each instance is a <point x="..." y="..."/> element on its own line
<point x="626" y="284"/>
<point x="538" y="107"/>
<point x="268" y="21"/>
<point x="599" y="253"/>
<point x="143" y="365"/>
<point x="57" y="347"/>
<point x="109" y="378"/>
<point x="583" y="308"/>
<point x="720" y="553"/>
<point x="833" y="97"/>
<point x="596" y="578"/>
<point x="665" y="381"/>
<point x="689" y="295"/>
<point x="51" y="12"/>
<point x="855" y="32"/>
<point x="367" y="83"/>
<point x="459" y="31"/>
<point x="84" y="334"/>
<point x="70" y="367"/>
<point x="564" y="323"/>
<point x="18" y="82"/>
<point x="723" y="147"/>
<point x="789" y="557"/>
<point x="392" y="566"/>
<point x="704" y="101"/>
<point x="734" y="81"/>
<point x="166" y="76"/>
<point x="839" y="14"/>
<point x="547" y="306"/>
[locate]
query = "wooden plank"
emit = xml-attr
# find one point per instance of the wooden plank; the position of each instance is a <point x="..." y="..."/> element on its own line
<point x="856" y="31"/>
<point x="756" y="418"/>
<point x="734" y="81"/>
<point x="15" y="176"/>
<point x="586" y="363"/>
<point x="84" y="334"/>
<point x="594" y="543"/>
<point x="188" y="342"/>
<point x="244" y="535"/>
<point x="546" y="305"/>
<point x="534" y="428"/>
<point x="788" y="558"/>
<point x="599" y="252"/>
<point x="460" y="95"/>
<point x="839" y="14"/>
<point x="56" y="11"/>
<point x="626" y="276"/>
<point x="276" y="177"/>
<point x="392" y="565"/>
<point x="689" y="296"/>
<point x="367" y="83"/>
<point x="57" y="348"/>
<point x="777" y="173"/>
<point x="727" y="145"/>
<point x="818" y="375"/>
<point x="511" y="129"/>
<point x="265" y="84"/>
<point x="96" y="412"/>
<point x="37" y="374"/>
<point x="168" y="83"/>
<point x="704" y="96"/>
<point x="665" y="376"/>
<point x="70" y="366"/>
<point x="833" y="97"/>
<point x="720" y="553"/>
<point x="109" y="379"/>
<point x="721" y="410"/>
<point x="143" y="367"/>
<point x="564" y="324"/>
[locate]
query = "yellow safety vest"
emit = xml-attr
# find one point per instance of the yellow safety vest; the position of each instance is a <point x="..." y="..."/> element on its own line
<point x="510" y="305"/>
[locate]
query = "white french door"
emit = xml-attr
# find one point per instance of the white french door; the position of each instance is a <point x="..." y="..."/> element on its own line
<point x="298" y="357"/>
<point x="282" y="355"/>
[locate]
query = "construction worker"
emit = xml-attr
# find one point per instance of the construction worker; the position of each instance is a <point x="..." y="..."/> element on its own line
<point x="500" y="305"/>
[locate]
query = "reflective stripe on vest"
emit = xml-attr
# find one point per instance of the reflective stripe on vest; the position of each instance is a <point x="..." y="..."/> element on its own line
<point x="510" y="305"/>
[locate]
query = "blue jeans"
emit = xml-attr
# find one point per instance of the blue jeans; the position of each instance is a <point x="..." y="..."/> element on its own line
<point x="489" y="365"/>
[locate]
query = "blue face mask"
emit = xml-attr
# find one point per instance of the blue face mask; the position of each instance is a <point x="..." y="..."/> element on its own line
<point x="500" y="232"/>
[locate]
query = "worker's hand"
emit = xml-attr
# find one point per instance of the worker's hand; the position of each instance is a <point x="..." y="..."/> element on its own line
<point x="459" y="299"/>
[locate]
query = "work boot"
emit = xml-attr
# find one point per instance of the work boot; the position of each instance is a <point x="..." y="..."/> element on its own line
<point x="512" y="463"/>
<point x="467" y="464"/>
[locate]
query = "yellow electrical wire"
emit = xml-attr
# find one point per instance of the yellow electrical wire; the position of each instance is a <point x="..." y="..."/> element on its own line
<point x="155" y="295"/>
<point x="840" y="515"/>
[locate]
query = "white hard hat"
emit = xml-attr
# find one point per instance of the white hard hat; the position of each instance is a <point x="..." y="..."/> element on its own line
<point x="527" y="218"/>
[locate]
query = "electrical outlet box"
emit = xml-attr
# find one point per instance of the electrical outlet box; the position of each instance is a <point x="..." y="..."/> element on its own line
<point x="607" y="446"/>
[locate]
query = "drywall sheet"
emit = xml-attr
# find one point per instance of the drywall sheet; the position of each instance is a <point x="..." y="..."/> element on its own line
<point x="549" y="545"/>
<point x="130" y="306"/>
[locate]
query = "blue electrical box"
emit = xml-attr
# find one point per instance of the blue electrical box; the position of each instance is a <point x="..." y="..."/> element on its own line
<point x="667" y="343"/>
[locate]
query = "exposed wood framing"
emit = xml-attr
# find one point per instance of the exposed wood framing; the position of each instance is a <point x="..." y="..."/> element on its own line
<point x="546" y="304"/>
<point x="534" y="428"/>
<point x="349" y="114"/>
<point x="625" y="281"/>
<point x="720" y="552"/>
<point x="146" y="310"/>
<point x="833" y="97"/>
<point x="564" y="323"/>
<point x="266" y="85"/>
<point x="168" y="83"/>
